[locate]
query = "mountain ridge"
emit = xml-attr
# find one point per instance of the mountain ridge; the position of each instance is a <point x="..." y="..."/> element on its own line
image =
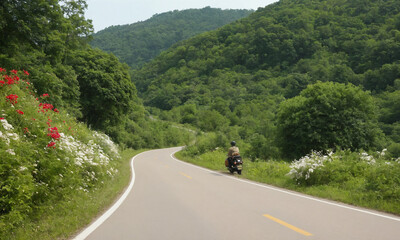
<point x="137" y="43"/>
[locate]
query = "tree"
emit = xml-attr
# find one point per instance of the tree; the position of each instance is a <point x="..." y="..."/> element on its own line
<point x="37" y="36"/>
<point x="52" y="27"/>
<point x="211" y="120"/>
<point x="327" y="116"/>
<point x="107" y="93"/>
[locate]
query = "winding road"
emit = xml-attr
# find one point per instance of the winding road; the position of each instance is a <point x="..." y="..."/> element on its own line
<point x="170" y="199"/>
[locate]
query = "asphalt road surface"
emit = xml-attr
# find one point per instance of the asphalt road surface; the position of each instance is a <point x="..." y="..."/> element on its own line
<point x="169" y="199"/>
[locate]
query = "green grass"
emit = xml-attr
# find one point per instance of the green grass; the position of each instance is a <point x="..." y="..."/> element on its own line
<point x="211" y="160"/>
<point x="352" y="191"/>
<point x="66" y="218"/>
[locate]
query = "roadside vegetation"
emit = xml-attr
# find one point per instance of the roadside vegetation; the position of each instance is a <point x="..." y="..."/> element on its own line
<point x="53" y="169"/>
<point x="369" y="180"/>
<point x="64" y="219"/>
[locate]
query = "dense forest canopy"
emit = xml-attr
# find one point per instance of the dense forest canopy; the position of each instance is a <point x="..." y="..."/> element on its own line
<point x="232" y="80"/>
<point x="138" y="43"/>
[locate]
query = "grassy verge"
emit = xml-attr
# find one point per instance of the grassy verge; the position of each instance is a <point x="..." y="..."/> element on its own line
<point x="272" y="172"/>
<point x="64" y="219"/>
<point x="352" y="191"/>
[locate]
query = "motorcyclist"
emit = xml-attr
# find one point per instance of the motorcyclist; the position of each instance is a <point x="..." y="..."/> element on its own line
<point x="233" y="151"/>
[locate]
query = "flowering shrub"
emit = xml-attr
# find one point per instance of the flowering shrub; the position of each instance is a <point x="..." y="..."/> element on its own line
<point x="54" y="133"/>
<point x="374" y="171"/>
<point x="20" y="112"/>
<point x="12" y="98"/>
<point x="302" y="170"/>
<point x="45" y="153"/>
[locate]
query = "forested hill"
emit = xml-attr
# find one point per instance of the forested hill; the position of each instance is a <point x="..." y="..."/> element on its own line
<point x="233" y="79"/>
<point x="138" y="43"/>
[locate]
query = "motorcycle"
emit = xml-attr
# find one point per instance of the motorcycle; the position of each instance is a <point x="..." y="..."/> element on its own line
<point x="234" y="163"/>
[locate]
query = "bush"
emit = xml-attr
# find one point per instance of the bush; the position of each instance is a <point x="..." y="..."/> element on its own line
<point x="384" y="180"/>
<point x="327" y="116"/>
<point x="303" y="171"/>
<point x="394" y="150"/>
<point x="206" y="142"/>
<point x="376" y="172"/>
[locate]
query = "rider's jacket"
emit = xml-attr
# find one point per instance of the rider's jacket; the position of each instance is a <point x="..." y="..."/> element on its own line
<point x="233" y="151"/>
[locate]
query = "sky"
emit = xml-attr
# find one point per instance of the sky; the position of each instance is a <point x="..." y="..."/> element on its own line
<point x="105" y="13"/>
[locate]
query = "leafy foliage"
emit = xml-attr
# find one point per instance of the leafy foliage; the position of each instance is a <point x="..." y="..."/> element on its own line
<point x="107" y="94"/>
<point x="327" y="116"/>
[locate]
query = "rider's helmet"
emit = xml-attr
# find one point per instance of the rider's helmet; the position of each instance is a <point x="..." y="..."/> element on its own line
<point x="233" y="143"/>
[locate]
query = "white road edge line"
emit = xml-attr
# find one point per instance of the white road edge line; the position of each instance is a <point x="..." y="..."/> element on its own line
<point x="85" y="233"/>
<point x="288" y="192"/>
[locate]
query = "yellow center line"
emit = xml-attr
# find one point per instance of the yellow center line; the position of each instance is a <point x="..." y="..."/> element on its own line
<point x="288" y="225"/>
<point x="183" y="174"/>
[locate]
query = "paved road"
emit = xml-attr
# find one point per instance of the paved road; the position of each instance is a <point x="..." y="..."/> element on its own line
<point x="174" y="200"/>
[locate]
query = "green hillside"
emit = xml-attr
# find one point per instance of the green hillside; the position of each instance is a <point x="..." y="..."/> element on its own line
<point x="138" y="43"/>
<point x="235" y="80"/>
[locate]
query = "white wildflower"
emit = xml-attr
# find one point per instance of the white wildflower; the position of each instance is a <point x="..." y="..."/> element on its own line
<point x="369" y="159"/>
<point x="330" y="153"/>
<point x="10" y="151"/>
<point x="305" y="166"/>
<point x="13" y="136"/>
<point x="3" y="136"/>
<point x="383" y="152"/>
<point x="106" y="142"/>
<point x="21" y="169"/>
<point x="83" y="189"/>
<point x="6" y="125"/>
